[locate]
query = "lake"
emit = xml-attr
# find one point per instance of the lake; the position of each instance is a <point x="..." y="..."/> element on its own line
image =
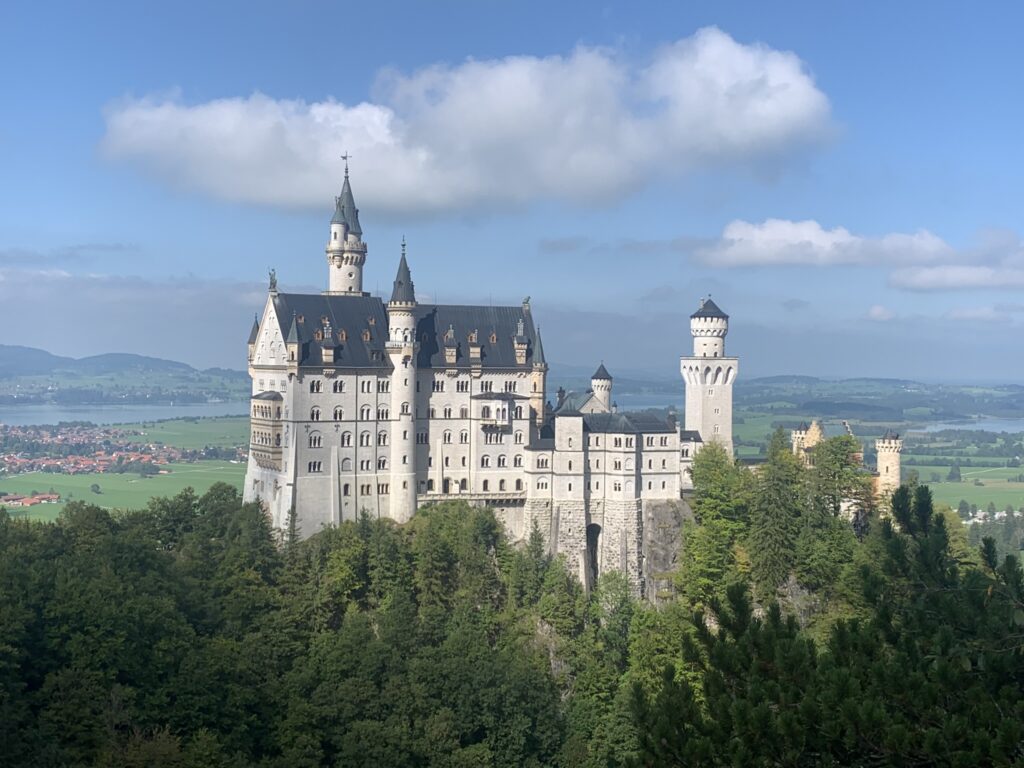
<point x="988" y="425"/>
<point x="23" y="415"/>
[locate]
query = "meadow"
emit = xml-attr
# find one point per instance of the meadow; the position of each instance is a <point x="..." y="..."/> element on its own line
<point x="119" y="491"/>
<point x="192" y="434"/>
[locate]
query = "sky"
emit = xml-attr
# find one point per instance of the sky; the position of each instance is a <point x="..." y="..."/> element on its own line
<point x="844" y="179"/>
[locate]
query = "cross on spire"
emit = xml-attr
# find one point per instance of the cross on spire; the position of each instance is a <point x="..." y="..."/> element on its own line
<point x="346" y="157"/>
<point x="403" y="245"/>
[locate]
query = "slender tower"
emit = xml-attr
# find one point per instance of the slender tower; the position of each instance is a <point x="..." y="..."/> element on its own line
<point x="601" y="386"/>
<point x="709" y="376"/>
<point x="402" y="348"/>
<point x="346" y="251"/>
<point x="889" y="447"/>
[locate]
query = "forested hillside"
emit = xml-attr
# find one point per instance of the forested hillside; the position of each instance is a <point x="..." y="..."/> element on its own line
<point x="186" y="635"/>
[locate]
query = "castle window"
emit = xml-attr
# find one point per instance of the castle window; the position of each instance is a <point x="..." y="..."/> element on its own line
<point x="463" y="437"/>
<point x="519" y="411"/>
<point x="437" y="385"/>
<point x="485" y="461"/>
<point x="346" y="439"/>
<point x="383" y="414"/>
<point x="463" y="412"/>
<point x="542" y="485"/>
<point x="447" y="461"/>
<point x="339" y="386"/>
<point x="382" y="463"/>
<point x="421" y="438"/>
<point x="382" y="438"/>
<point x="650" y="440"/>
<point x="346" y="465"/>
<point x="519" y="485"/>
<point x="502" y="461"/>
<point x="463" y="461"/>
<point x="486" y="486"/>
<point x="405" y="409"/>
<point x="346" y="490"/>
<point x="486" y="386"/>
<point x="485" y="412"/>
<point x="316" y="386"/>
<point x="462" y="484"/>
<point x="462" y="386"/>
<point x="314" y="414"/>
<point x="629" y="442"/>
<point x="364" y="439"/>
<point x="448" y="412"/>
<point x="519" y="438"/>
<point x="366" y="335"/>
<point x="501" y="485"/>
<point x="542" y="462"/>
<point x="570" y="487"/>
<point x="339" y="413"/>
<point x="364" y="413"/>
<point x="433" y="412"/>
<point x="518" y="460"/>
<point x="315" y="440"/>
<point x="570" y="466"/>
<point x="430" y="486"/>
<point x="315" y="466"/>
<point x="446" y="437"/>
<point x="510" y="386"/>
<point x="383" y="385"/>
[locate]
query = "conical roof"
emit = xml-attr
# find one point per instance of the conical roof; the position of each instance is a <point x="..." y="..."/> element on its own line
<point x="708" y="308"/>
<point x="538" y="352"/>
<point x="601" y="374"/>
<point x="404" y="292"/>
<point x="345" y="211"/>
<point x="293" y="332"/>
<point x="255" y="332"/>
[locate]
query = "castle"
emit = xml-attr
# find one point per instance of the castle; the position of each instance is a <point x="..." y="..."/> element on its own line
<point x="888" y="448"/>
<point x="361" y="405"/>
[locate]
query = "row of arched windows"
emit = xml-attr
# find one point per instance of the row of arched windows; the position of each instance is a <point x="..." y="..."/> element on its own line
<point x="365" y="413"/>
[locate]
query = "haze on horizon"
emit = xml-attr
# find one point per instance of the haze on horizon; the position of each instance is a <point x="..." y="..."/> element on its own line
<point x="845" y="181"/>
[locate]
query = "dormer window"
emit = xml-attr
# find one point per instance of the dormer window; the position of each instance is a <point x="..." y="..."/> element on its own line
<point x="366" y="335"/>
<point x="494" y="338"/>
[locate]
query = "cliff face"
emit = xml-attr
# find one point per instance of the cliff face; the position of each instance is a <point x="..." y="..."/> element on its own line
<point x="662" y="541"/>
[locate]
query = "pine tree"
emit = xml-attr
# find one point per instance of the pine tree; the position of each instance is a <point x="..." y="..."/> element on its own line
<point x="775" y="515"/>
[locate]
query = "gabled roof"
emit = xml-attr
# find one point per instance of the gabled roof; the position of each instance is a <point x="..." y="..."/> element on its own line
<point x="573" y="401"/>
<point x="403" y="292"/>
<point x="601" y="374"/>
<point x="708" y="308"/>
<point x="255" y="332"/>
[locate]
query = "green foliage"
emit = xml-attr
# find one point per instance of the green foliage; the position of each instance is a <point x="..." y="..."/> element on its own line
<point x="776" y="515"/>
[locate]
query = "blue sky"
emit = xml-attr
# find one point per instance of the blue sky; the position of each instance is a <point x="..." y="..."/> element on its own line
<point x="843" y="178"/>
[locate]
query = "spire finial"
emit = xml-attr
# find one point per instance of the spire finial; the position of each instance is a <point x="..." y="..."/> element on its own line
<point x="346" y="157"/>
<point x="403" y="246"/>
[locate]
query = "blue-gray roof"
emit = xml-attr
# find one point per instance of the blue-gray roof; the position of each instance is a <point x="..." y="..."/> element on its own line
<point x="255" y="332"/>
<point x="351" y="317"/>
<point x="403" y="292"/>
<point x="708" y="308"/>
<point x="601" y="374"/>
<point x="345" y="211"/>
<point x="626" y="423"/>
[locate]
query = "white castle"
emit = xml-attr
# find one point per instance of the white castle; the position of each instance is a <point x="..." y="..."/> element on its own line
<point x="364" y="406"/>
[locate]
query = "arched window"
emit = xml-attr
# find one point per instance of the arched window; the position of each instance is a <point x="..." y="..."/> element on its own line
<point x="364" y="413"/>
<point x="382" y="463"/>
<point x="519" y="485"/>
<point x="486" y="486"/>
<point x="517" y="461"/>
<point x="315" y="439"/>
<point x="316" y="385"/>
<point x="463" y="437"/>
<point x="346" y="465"/>
<point x="447" y="437"/>
<point x="503" y="461"/>
<point x="501" y="485"/>
<point x="346" y="490"/>
<point x="339" y="386"/>
<point x="463" y="412"/>
<point x="485" y="412"/>
<point x="485" y="461"/>
<point x="462" y="484"/>
<point x="339" y="413"/>
<point x="405" y="408"/>
<point x="447" y="412"/>
<point x="382" y="438"/>
<point x="364" y="439"/>
<point x="346" y="439"/>
<point x="314" y="414"/>
<point x="382" y="414"/>
<point x="519" y="411"/>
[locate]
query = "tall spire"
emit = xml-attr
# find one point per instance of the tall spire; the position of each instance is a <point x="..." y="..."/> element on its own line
<point x="255" y="332"/>
<point x="293" y="332"/>
<point x="404" y="292"/>
<point x="538" y="353"/>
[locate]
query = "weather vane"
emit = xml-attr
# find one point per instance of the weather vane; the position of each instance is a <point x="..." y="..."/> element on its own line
<point x="346" y="157"/>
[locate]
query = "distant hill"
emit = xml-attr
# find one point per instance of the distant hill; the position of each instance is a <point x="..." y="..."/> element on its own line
<point x="28" y="361"/>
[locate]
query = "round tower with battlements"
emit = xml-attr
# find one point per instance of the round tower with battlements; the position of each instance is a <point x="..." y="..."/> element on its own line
<point x="601" y="386"/>
<point x="889" y="447"/>
<point x="709" y="376"/>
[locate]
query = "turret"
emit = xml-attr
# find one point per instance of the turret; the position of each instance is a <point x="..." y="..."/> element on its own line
<point x="889" y="446"/>
<point x="538" y="377"/>
<point x="402" y="348"/>
<point x="254" y="335"/>
<point x="346" y="251"/>
<point x="601" y="385"/>
<point x="709" y="326"/>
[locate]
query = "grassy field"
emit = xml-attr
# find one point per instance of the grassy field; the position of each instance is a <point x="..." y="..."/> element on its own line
<point x="127" y="491"/>
<point x="999" y="486"/>
<point x="225" y="432"/>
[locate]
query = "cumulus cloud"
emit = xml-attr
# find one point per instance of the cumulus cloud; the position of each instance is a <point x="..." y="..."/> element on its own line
<point x="585" y="127"/>
<point x="880" y="314"/>
<point x="784" y="242"/>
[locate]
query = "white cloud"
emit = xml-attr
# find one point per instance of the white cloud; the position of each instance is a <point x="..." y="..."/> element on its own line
<point x="880" y="314"/>
<point x="781" y="242"/>
<point x="585" y="127"/>
<point x="980" y="314"/>
<point x="954" y="277"/>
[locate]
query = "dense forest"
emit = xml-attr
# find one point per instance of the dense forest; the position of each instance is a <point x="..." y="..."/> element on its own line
<point x="805" y="629"/>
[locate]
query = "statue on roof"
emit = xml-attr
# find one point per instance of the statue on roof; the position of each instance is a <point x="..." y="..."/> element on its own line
<point x="273" y="279"/>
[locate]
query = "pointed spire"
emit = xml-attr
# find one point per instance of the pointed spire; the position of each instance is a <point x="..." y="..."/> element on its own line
<point x="601" y="374"/>
<point x="293" y="332"/>
<point x="255" y="332"/>
<point x="404" y="292"/>
<point x="538" y="352"/>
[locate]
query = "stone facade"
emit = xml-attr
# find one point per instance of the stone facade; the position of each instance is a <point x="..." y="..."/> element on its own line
<point x="361" y="405"/>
